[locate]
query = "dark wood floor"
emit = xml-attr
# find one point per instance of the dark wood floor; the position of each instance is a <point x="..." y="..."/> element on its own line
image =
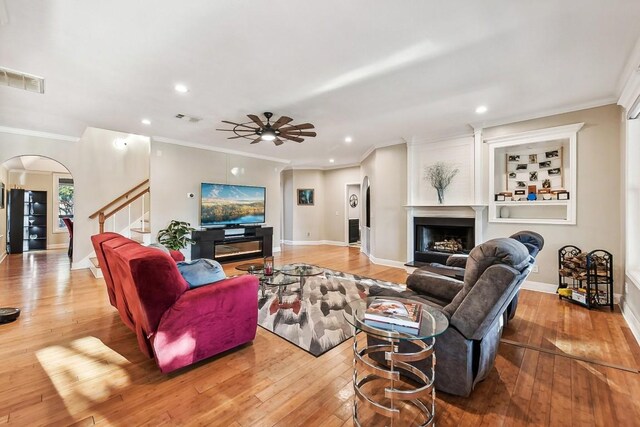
<point x="70" y="360"/>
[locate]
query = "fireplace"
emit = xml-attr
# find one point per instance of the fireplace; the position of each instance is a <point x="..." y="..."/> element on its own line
<point x="437" y="238"/>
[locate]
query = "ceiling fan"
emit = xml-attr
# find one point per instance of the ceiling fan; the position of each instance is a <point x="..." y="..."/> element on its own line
<point x="277" y="131"/>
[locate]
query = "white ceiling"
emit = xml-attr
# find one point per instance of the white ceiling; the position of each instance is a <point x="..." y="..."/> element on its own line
<point x="376" y="70"/>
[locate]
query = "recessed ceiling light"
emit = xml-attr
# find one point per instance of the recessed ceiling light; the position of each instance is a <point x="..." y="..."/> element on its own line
<point x="181" y="88"/>
<point x="348" y="139"/>
<point x="331" y="160"/>
<point x="481" y="109"/>
<point x="146" y="121"/>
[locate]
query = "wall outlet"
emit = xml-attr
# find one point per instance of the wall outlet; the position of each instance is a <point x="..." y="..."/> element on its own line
<point x="535" y="268"/>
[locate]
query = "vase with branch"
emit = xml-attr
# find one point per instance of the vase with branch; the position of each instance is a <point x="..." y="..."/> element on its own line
<point x="440" y="175"/>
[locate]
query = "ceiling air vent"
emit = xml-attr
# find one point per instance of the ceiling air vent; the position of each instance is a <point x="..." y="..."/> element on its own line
<point x="20" y="80"/>
<point x="190" y="119"/>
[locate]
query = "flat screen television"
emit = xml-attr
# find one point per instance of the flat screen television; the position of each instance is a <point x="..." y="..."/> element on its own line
<point x="225" y="204"/>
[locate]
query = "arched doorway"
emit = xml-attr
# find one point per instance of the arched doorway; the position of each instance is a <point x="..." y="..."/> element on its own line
<point x="365" y="190"/>
<point x="38" y="205"/>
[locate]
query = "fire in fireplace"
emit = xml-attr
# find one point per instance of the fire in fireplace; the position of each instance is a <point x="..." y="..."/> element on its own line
<point x="437" y="238"/>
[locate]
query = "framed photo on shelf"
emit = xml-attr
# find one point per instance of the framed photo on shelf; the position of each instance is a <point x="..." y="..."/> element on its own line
<point x="305" y="196"/>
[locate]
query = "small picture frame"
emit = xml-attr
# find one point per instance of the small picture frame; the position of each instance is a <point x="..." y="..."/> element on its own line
<point x="499" y="198"/>
<point x="305" y="196"/>
<point x="563" y="195"/>
<point x="519" y="192"/>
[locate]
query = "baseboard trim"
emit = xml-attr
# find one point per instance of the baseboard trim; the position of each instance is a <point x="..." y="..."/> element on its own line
<point x="631" y="319"/>
<point x="387" y="262"/>
<point x="2" y="257"/>
<point x="547" y="288"/>
<point x="58" y="246"/>
<point x="276" y="249"/>
<point x="313" y="242"/>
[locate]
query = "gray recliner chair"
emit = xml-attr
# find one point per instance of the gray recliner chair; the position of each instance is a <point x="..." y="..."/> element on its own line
<point x="466" y="351"/>
<point x="435" y="275"/>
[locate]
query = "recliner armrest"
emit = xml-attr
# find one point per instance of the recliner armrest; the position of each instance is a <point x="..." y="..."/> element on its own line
<point x="435" y="285"/>
<point x="459" y="261"/>
<point x="444" y="270"/>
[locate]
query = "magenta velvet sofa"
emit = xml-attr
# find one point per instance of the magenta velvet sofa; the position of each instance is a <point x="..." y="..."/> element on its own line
<point x="176" y="325"/>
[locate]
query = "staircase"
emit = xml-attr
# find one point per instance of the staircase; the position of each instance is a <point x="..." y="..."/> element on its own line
<point x="128" y="215"/>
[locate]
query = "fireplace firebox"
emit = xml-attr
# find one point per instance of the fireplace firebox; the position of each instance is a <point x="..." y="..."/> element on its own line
<point x="437" y="238"/>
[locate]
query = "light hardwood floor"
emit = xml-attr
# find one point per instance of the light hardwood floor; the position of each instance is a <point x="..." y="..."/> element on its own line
<point x="70" y="360"/>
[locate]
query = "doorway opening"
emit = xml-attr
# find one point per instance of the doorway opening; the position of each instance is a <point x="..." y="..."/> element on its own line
<point x="353" y="210"/>
<point x="37" y="205"/>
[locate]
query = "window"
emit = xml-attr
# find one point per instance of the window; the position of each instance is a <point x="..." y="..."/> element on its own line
<point x="63" y="206"/>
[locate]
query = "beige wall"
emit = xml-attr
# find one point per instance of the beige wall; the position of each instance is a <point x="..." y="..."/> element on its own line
<point x="308" y="221"/>
<point x="176" y="170"/>
<point x="336" y="201"/>
<point x="387" y="171"/>
<point x="326" y="220"/>
<point x="100" y="173"/>
<point x="288" y="199"/>
<point x="4" y="177"/>
<point x="599" y="191"/>
<point x="42" y="181"/>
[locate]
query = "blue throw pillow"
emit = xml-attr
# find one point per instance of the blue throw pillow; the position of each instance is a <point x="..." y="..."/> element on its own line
<point x="201" y="272"/>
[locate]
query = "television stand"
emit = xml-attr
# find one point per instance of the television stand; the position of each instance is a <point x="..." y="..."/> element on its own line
<point x="232" y="244"/>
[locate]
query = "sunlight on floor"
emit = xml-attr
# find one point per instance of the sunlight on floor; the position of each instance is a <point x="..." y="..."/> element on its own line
<point x="84" y="372"/>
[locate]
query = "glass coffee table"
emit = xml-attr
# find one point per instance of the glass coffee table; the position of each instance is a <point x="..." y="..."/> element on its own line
<point x="391" y="351"/>
<point x="251" y="267"/>
<point x="277" y="280"/>
<point x="301" y="271"/>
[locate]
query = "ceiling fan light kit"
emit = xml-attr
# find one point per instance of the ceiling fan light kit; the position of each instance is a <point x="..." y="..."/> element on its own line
<point x="256" y="130"/>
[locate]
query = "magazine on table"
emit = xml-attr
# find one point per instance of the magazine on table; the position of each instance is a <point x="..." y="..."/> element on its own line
<point x="392" y="327"/>
<point x="395" y="312"/>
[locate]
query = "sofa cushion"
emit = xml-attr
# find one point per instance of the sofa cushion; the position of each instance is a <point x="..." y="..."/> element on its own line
<point x="201" y="272"/>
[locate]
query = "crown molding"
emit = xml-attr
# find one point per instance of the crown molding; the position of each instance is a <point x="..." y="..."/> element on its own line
<point x="544" y="113"/>
<point x="29" y="171"/>
<point x="631" y="67"/>
<point x="381" y="145"/>
<point x="218" y="149"/>
<point x="39" y="134"/>
<point x="321" y="168"/>
<point x="423" y="141"/>
<point x="557" y="132"/>
<point x="631" y="90"/>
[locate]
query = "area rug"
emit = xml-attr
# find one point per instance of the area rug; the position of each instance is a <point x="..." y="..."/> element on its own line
<point x="316" y="322"/>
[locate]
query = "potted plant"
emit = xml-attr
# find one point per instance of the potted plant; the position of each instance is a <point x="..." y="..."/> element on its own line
<point x="176" y="236"/>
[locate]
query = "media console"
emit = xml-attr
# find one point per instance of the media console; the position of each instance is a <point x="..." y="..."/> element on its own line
<point x="232" y="244"/>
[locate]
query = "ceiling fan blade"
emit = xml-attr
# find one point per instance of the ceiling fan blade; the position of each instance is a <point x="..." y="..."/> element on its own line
<point x="239" y="136"/>
<point x="292" y="138"/>
<point x="238" y="124"/>
<point x="298" y="127"/>
<point x="256" y="120"/>
<point x="281" y="122"/>
<point x="255" y="141"/>
<point x="237" y="130"/>
<point x="278" y="141"/>
<point x="294" y="133"/>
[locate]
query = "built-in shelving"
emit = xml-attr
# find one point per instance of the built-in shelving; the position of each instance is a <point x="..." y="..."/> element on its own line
<point x="559" y="145"/>
<point x="27" y="220"/>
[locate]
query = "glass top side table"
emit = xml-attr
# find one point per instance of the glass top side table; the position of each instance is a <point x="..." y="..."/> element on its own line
<point x="380" y="362"/>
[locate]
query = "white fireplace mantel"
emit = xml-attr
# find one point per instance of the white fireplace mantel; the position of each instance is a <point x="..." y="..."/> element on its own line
<point x="444" y="211"/>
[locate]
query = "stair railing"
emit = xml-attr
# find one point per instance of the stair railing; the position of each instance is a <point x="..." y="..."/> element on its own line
<point x="120" y="202"/>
